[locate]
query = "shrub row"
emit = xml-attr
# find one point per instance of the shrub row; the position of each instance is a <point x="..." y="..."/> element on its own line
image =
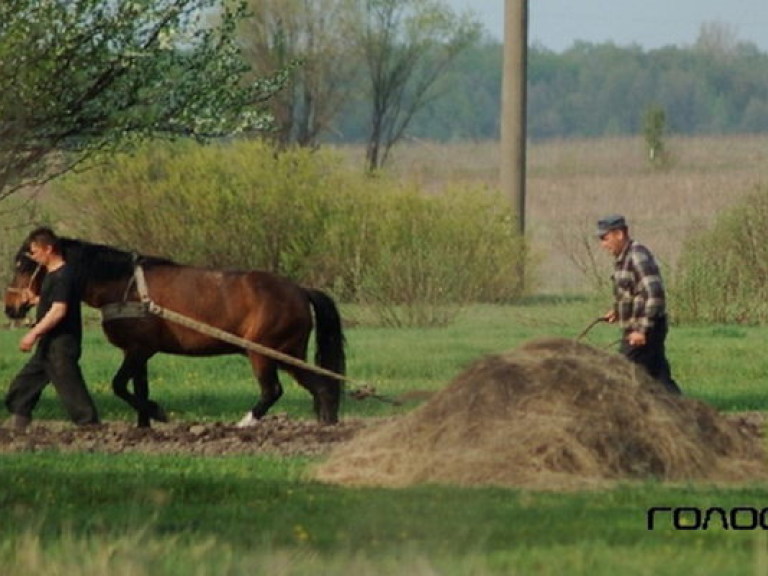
<point x="416" y="257"/>
<point x="722" y="275"/>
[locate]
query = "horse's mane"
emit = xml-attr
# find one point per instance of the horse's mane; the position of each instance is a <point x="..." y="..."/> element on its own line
<point x="104" y="263"/>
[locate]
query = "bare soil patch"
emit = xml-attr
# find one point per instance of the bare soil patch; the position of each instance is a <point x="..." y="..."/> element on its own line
<point x="275" y="434"/>
<point x="553" y="414"/>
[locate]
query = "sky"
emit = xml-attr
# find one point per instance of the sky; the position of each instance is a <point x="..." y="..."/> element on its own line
<point x="556" y="24"/>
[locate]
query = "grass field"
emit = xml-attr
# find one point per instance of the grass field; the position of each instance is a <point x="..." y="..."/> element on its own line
<point x="720" y="364"/>
<point x="95" y="514"/>
<point x="131" y="514"/>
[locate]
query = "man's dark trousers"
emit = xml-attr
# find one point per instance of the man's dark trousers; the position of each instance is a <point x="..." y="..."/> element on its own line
<point x="652" y="356"/>
<point x="55" y="360"/>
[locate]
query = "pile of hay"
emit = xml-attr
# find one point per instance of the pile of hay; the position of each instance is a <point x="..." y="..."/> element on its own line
<point x="553" y="414"/>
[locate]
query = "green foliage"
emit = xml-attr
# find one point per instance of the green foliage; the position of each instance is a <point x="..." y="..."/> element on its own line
<point x="87" y="76"/>
<point x="379" y="62"/>
<point x="298" y="213"/>
<point x="592" y="90"/>
<point x="589" y="88"/>
<point x="236" y="206"/>
<point x="439" y="253"/>
<point x="407" y="46"/>
<point x="317" y="34"/>
<point x="722" y="275"/>
<point x="654" y="126"/>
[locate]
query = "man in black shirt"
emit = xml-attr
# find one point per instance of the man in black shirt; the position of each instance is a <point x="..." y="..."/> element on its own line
<point x="58" y="335"/>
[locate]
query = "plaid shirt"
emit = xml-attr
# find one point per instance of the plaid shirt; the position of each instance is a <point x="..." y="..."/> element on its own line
<point x="638" y="288"/>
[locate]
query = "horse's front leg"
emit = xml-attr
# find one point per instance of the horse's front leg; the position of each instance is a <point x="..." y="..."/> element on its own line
<point x="148" y="409"/>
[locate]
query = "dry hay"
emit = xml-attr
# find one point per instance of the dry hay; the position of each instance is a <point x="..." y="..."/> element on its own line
<point x="553" y="414"/>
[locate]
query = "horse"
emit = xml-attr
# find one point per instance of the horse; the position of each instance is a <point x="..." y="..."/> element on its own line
<point x="254" y="305"/>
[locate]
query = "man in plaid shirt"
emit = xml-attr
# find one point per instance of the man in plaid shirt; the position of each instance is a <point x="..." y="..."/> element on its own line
<point x="640" y="305"/>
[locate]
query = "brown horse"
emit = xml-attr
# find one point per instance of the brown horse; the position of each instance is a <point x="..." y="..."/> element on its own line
<point x="254" y="305"/>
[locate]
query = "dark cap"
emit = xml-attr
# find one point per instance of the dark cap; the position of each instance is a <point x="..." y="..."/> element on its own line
<point x="612" y="222"/>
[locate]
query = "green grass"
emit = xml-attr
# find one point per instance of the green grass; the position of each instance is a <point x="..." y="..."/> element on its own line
<point x="245" y="505"/>
<point x="135" y="514"/>
<point x="265" y="504"/>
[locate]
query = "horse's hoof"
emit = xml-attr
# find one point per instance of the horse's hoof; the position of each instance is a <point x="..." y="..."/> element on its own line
<point x="247" y="421"/>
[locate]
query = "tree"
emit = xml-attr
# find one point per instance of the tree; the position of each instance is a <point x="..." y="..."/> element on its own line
<point x="315" y="35"/>
<point x="717" y="39"/>
<point x="407" y="46"/>
<point x="654" y="125"/>
<point x="82" y="77"/>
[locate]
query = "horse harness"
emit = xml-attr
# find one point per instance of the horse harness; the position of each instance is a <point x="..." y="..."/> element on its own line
<point x="127" y="309"/>
<point x="145" y="307"/>
<point x="28" y="287"/>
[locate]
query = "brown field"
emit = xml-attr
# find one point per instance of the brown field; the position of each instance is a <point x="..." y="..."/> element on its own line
<point x="571" y="183"/>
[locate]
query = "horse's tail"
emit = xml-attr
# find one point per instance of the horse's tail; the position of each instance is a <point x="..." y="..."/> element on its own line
<point x="329" y="336"/>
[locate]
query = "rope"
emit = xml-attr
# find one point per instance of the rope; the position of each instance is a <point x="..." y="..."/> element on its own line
<point x="364" y="391"/>
<point x="230" y="338"/>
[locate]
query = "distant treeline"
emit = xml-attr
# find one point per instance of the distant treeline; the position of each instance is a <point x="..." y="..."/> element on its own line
<point x="595" y="90"/>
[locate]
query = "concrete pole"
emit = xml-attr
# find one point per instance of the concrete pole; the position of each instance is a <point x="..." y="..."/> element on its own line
<point x="514" y="106"/>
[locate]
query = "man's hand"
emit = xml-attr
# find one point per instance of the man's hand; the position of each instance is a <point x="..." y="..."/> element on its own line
<point x="28" y="341"/>
<point x="636" y="338"/>
<point x="30" y="297"/>
<point x="610" y="317"/>
<point x="52" y="317"/>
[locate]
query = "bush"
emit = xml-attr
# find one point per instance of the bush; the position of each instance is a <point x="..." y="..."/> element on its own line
<point x="722" y="275"/>
<point x="211" y="206"/>
<point x="416" y="258"/>
<point x="437" y="253"/>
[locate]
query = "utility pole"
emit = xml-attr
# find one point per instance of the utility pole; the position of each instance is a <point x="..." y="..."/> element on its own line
<point x="514" y="106"/>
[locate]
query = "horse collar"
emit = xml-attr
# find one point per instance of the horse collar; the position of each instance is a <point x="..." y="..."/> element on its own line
<point x="129" y="309"/>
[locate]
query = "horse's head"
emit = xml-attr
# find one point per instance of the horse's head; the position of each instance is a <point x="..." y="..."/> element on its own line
<point x="24" y="288"/>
